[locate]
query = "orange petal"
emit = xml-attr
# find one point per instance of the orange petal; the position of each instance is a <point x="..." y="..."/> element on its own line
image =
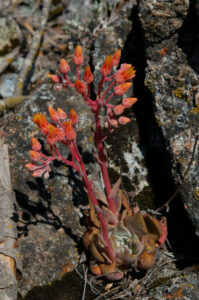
<point x="53" y="114"/>
<point x="69" y="131"/>
<point x="80" y="86"/>
<point x="118" y="109"/>
<point x="36" y="146"/>
<point x="64" y="67"/>
<point x="124" y="120"/>
<point x="122" y="88"/>
<point x="128" y="102"/>
<point x="116" y="57"/>
<point x="106" y="68"/>
<point x="124" y="74"/>
<point x="73" y="117"/>
<point x="88" y="76"/>
<point x="35" y="155"/>
<point x="54" y="78"/>
<point x="78" y="57"/>
<point x="62" y="115"/>
<point x="41" y="122"/>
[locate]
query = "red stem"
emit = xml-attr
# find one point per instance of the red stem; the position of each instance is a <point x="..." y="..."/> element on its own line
<point x="98" y="209"/>
<point x="103" y="164"/>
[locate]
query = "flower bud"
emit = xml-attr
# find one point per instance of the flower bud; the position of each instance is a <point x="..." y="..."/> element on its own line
<point x="36" y="146"/>
<point x="31" y="166"/>
<point x="53" y="114"/>
<point x="78" y="57"/>
<point x="128" y="102"/>
<point x="64" y="67"/>
<point x="80" y="86"/>
<point x="73" y="117"/>
<point x="106" y="68"/>
<point x="54" y="78"/>
<point x="122" y="88"/>
<point x="116" y="57"/>
<point x="113" y="123"/>
<point x="88" y="76"/>
<point x="118" y="109"/>
<point x="124" y="120"/>
<point x="124" y="74"/>
<point x="35" y="155"/>
<point x="69" y="131"/>
<point x="62" y="115"/>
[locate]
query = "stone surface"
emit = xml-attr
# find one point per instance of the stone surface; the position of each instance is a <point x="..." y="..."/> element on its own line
<point x="174" y="86"/>
<point x="9" y="33"/>
<point x="7" y="84"/>
<point x="160" y="19"/>
<point x="180" y="285"/>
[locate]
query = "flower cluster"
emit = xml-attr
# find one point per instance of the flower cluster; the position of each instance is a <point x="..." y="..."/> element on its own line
<point x="119" y="83"/>
<point x="59" y="130"/>
<point x="117" y="236"/>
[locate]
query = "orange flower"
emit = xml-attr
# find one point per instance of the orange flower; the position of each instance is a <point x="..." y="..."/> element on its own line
<point x="35" y="155"/>
<point x="88" y="76"/>
<point x="78" y="57"/>
<point x="128" y="102"/>
<point x="113" y="123"/>
<point x="124" y="120"/>
<point x="36" y="146"/>
<point x="124" y="74"/>
<point x="41" y="122"/>
<point x="69" y="130"/>
<point x="73" y="117"/>
<point x="31" y="166"/>
<point x="62" y="115"/>
<point x="116" y="57"/>
<point x="106" y="68"/>
<point x="64" y="67"/>
<point x="54" y="135"/>
<point x="54" y="78"/>
<point x="122" y="88"/>
<point x="80" y="86"/>
<point x="38" y="173"/>
<point x="118" y="109"/>
<point x="53" y="114"/>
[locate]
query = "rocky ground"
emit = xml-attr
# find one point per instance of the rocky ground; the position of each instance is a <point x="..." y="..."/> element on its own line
<point x="156" y="154"/>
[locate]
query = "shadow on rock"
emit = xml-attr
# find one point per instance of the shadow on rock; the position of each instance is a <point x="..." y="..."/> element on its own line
<point x="182" y="238"/>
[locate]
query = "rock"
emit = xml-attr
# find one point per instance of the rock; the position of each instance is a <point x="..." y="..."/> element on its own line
<point x="7" y="84"/>
<point x="183" y="284"/>
<point x="47" y="211"/>
<point x="9" y="32"/>
<point x="173" y="84"/>
<point x="161" y="19"/>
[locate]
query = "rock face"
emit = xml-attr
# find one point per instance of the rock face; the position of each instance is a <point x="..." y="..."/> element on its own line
<point x="174" y="86"/>
<point x="48" y="212"/>
<point x="9" y="33"/>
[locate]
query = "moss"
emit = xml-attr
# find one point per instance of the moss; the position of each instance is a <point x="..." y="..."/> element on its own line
<point x="195" y="110"/>
<point x="11" y="102"/>
<point x="145" y="198"/>
<point x="158" y="282"/>
<point x="196" y="194"/>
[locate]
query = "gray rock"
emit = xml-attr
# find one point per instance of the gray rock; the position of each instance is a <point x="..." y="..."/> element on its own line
<point x="161" y="19"/>
<point x="7" y="84"/>
<point x="173" y="84"/>
<point x="183" y="284"/>
<point x="9" y="33"/>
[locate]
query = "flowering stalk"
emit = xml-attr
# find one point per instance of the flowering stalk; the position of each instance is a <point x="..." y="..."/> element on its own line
<point x="62" y="129"/>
